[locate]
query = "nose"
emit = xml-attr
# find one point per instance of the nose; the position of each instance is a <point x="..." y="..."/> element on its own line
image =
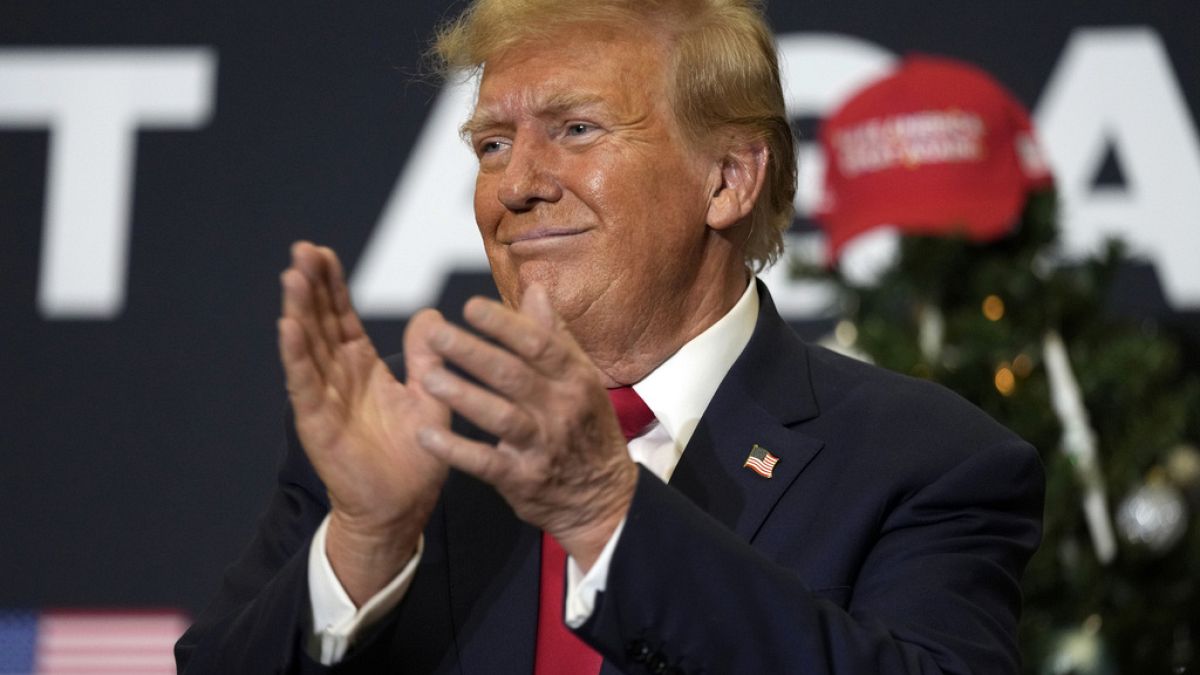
<point x="529" y="176"/>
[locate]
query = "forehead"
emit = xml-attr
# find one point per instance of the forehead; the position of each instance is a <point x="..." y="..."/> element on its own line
<point x="573" y="68"/>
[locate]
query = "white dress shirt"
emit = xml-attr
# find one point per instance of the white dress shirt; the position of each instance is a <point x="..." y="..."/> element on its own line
<point x="677" y="392"/>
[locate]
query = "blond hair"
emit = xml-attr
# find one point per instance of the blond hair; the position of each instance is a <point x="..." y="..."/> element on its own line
<point x="724" y="74"/>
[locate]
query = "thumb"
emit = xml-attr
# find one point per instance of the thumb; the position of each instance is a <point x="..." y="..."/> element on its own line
<point x="419" y="356"/>
<point x="535" y="304"/>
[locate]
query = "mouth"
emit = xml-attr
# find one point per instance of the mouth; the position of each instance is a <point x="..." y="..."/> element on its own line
<point x="542" y="241"/>
<point x="544" y="233"/>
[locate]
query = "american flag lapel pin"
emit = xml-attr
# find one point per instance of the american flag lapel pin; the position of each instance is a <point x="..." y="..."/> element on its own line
<point x="761" y="461"/>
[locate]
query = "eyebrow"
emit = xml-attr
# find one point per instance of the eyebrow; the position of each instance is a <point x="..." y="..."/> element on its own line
<point x="556" y="104"/>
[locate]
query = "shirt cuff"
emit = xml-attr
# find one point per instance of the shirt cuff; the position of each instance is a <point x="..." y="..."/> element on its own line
<point x="582" y="588"/>
<point x="336" y="621"/>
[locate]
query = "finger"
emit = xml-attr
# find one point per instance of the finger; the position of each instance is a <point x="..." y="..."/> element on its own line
<point x="419" y="357"/>
<point x="537" y="344"/>
<point x="490" y="364"/>
<point x="491" y="413"/>
<point x="305" y="385"/>
<point x="535" y="304"/>
<point x="351" y="324"/>
<point x="297" y="306"/>
<point x="313" y="263"/>
<point x="320" y="271"/>
<point x="485" y="462"/>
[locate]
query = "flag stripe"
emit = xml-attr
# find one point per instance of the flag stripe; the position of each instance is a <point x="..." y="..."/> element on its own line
<point x="96" y="642"/>
<point x="57" y="662"/>
<point x="764" y="474"/>
<point x="758" y="468"/>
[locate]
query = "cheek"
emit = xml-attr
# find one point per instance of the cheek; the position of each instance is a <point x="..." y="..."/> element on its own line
<point x="662" y="205"/>
<point x="503" y="270"/>
<point x="596" y="184"/>
<point x="487" y="220"/>
<point x="486" y="207"/>
<point x="596" y="181"/>
<point x="626" y="195"/>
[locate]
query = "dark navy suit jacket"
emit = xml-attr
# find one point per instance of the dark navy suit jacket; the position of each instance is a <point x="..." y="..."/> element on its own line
<point x="890" y="539"/>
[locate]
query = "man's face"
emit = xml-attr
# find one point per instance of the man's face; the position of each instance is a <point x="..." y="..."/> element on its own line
<point x="586" y="184"/>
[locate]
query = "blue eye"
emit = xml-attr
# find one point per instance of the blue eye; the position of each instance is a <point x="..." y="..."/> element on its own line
<point x="489" y="147"/>
<point x="578" y="129"/>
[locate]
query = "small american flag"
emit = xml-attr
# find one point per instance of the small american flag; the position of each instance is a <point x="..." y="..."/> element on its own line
<point x="89" y="642"/>
<point x="761" y="462"/>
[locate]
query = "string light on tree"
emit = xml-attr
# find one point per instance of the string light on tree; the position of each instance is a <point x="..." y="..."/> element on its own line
<point x="1005" y="380"/>
<point x="1183" y="466"/>
<point x="993" y="308"/>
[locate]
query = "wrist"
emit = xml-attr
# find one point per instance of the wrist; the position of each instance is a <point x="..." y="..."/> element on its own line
<point x="365" y="560"/>
<point x="587" y="540"/>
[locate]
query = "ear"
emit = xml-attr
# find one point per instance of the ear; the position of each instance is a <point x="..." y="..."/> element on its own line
<point x="743" y="170"/>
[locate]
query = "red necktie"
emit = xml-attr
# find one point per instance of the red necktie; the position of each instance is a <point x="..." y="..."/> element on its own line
<point x="559" y="652"/>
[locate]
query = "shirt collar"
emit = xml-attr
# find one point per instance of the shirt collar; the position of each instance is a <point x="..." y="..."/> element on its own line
<point x="678" y="391"/>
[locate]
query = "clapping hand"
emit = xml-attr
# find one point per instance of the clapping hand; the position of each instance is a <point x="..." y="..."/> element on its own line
<point x="357" y="423"/>
<point x="560" y="459"/>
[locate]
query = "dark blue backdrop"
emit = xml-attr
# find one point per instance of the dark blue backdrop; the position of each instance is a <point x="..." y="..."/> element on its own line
<point x="139" y="441"/>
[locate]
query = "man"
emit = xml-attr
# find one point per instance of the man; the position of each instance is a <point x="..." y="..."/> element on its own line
<point x="822" y="516"/>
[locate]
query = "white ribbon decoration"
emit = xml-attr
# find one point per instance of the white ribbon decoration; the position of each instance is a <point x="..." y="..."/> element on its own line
<point x="1079" y="443"/>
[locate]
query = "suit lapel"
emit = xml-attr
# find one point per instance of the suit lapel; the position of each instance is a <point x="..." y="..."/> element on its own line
<point x="712" y="471"/>
<point x="765" y="394"/>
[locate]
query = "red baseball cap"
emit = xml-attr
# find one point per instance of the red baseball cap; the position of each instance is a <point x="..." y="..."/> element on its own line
<point x="936" y="147"/>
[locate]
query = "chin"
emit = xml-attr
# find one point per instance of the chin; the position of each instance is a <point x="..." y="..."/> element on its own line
<point x="572" y="285"/>
<point x="550" y="275"/>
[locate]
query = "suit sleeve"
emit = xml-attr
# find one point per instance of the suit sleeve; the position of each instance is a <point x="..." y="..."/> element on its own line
<point x="937" y="589"/>
<point x="259" y="619"/>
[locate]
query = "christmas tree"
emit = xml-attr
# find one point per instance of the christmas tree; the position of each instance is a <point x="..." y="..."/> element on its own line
<point x="1001" y="317"/>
